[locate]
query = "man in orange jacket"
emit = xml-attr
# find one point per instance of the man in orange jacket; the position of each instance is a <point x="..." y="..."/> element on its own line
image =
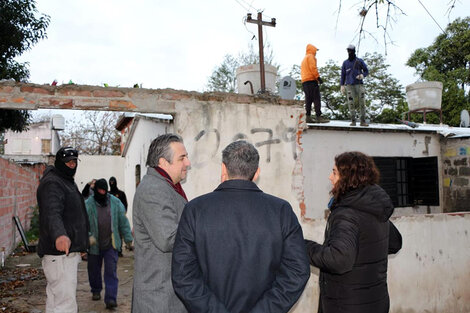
<point x="310" y="84"/>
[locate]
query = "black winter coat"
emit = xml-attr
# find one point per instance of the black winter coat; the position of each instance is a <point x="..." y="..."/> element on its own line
<point x="239" y="250"/>
<point x="353" y="258"/>
<point x="61" y="212"/>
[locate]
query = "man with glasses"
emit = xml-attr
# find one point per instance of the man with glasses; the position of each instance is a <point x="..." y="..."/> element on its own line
<point x="63" y="231"/>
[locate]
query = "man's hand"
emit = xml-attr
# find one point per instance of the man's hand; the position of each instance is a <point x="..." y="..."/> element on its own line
<point x="129" y="246"/>
<point x="63" y="243"/>
<point x="360" y="77"/>
<point x="92" y="240"/>
<point x="343" y="90"/>
<point x="320" y="81"/>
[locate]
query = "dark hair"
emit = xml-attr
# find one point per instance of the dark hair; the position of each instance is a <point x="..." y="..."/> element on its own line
<point x="241" y="159"/>
<point x="160" y="148"/>
<point x="355" y="170"/>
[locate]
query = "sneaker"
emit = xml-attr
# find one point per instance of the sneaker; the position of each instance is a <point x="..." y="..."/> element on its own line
<point x="309" y="119"/>
<point x="364" y="124"/>
<point x="353" y="123"/>
<point x="321" y="119"/>
<point x="111" y="304"/>
<point x="96" y="296"/>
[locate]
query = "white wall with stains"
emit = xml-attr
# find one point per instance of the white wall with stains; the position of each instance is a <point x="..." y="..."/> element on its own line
<point x="320" y="146"/>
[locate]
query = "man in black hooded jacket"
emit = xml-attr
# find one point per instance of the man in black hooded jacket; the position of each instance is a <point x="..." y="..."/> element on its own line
<point x="63" y="231"/>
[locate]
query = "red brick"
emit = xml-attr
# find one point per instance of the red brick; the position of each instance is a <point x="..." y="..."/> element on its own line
<point x="37" y="90"/>
<point x="108" y="93"/>
<point x="122" y="104"/>
<point x="74" y="93"/>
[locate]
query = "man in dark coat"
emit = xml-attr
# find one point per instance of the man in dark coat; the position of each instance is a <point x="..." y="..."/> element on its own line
<point x="63" y="231"/>
<point x="115" y="191"/>
<point x="238" y="249"/>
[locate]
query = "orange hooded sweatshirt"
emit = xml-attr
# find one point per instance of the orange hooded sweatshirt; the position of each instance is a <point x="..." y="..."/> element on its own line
<point x="308" y="68"/>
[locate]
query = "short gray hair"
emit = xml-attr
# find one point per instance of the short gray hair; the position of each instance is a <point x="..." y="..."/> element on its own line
<point x="241" y="160"/>
<point x="160" y="148"/>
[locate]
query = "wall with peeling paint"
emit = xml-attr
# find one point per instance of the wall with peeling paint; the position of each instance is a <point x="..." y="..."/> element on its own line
<point x="456" y="174"/>
<point x="320" y="146"/>
<point x="431" y="272"/>
<point x="207" y="128"/>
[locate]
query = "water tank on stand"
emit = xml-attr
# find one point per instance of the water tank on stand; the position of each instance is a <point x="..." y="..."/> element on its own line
<point x="424" y="97"/>
<point x="248" y="76"/>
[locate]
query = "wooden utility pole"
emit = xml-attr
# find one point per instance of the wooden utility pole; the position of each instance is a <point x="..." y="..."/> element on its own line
<point x="260" y="23"/>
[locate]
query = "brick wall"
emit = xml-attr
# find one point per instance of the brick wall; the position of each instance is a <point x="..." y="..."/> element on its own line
<point x="17" y="197"/>
<point x="456" y="169"/>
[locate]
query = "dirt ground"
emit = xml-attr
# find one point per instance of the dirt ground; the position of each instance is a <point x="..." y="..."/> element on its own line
<point x="23" y="285"/>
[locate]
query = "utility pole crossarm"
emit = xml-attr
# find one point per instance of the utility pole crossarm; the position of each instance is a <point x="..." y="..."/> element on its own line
<point x="260" y="23"/>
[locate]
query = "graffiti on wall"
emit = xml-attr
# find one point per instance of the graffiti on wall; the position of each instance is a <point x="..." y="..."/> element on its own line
<point x="259" y="137"/>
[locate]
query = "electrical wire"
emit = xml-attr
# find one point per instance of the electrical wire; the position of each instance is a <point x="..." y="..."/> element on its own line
<point x="431" y="16"/>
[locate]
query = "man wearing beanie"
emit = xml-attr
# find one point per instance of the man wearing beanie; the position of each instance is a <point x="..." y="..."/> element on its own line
<point x="63" y="231"/>
<point x="108" y="224"/>
<point x="353" y="72"/>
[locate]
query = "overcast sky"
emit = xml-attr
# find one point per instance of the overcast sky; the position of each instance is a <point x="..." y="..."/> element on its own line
<point x="176" y="44"/>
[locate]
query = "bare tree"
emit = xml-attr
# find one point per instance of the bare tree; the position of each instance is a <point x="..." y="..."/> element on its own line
<point x="94" y="134"/>
<point x="385" y="13"/>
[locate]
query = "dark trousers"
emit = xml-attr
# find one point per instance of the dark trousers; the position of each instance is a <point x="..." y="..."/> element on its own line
<point x="312" y="94"/>
<point x="95" y="263"/>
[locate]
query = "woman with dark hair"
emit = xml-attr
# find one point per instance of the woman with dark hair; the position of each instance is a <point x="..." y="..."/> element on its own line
<point x="358" y="238"/>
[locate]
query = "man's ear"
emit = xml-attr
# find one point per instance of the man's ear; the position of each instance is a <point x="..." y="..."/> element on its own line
<point x="255" y="178"/>
<point x="163" y="163"/>
<point x="223" y="173"/>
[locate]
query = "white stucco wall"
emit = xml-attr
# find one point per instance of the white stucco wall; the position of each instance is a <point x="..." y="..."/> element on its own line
<point x="145" y="132"/>
<point x="321" y="146"/>
<point x="431" y="272"/>
<point x="208" y="128"/>
<point x="99" y="166"/>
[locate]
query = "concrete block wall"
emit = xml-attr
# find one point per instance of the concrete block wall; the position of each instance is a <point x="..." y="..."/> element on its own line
<point x="456" y="174"/>
<point x="17" y="197"/>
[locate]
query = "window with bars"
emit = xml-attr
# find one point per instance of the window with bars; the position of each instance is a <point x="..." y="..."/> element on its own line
<point x="409" y="181"/>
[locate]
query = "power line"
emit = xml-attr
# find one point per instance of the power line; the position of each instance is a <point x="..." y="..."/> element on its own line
<point x="431" y="16"/>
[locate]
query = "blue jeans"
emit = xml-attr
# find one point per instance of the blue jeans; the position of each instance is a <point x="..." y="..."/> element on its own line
<point x="95" y="263"/>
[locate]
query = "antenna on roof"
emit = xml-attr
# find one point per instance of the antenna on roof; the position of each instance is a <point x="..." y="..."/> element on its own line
<point x="464" y="118"/>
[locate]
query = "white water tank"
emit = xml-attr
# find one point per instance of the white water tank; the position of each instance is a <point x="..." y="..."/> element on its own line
<point x="58" y="122"/>
<point x="424" y="95"/>
<point x="251" y="73"/>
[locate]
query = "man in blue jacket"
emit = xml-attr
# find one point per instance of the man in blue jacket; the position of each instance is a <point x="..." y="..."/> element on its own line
<point x="238" y="249"/>
<point x="108" y="223"/>
<point x="353" y="72"/>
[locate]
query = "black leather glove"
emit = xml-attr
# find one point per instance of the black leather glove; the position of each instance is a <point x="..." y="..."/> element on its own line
<point x="320" y="81"/>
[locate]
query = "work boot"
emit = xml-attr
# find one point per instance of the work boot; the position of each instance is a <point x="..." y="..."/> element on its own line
<point x="353" y="123"/>
<point x="96" y="296"/>
<point x="363" y="123"/>
<point x="111" y="305"/>
<point x="321" y="119"/>
<point x="309" y="119"/>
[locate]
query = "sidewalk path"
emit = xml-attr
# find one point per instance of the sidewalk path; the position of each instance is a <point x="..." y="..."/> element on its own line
<point x="23" y="286"/>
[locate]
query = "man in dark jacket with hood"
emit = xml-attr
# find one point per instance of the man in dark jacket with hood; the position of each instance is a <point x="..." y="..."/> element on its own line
<point x="115" y="191"/>
<point x="63" y="231"/>
<point x="239" y="249"/>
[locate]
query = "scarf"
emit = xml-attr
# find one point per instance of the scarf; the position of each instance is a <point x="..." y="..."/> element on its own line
<point x="176" y="187"/>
